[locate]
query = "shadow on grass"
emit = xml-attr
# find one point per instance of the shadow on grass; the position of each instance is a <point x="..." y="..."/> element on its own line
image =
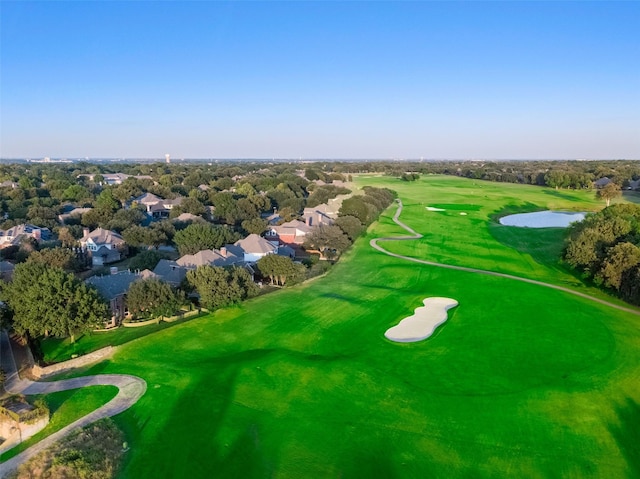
<point x="627" y="435"/>
<point x="564" y="196"/>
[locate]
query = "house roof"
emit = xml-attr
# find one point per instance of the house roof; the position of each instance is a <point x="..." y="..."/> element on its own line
<point x="148" y="199"/>
<point x="6" y="267"/>
<point x="188" y="217"/>
<point x="148" y="274"/>
<point x="15" y="233"/>
<point x="113" y="285"/>
<point x="108" y="255"/>
<point x="102" y="236"/>
<point x="170" y="271"/>
<point x="254" y="244"/>
<point x="213" y="257"/>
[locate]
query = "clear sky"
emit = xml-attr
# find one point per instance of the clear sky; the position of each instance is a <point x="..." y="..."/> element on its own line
<point x="378" y="80"/>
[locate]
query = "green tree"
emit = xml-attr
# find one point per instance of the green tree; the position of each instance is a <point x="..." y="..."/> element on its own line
<point x="154" y="297"/>
<point x="197" y="237"/>
<point x="47" y="301"/>
<point x="619" y="258"/>
<point x="147" y="259"/>
<point x="63" y="258"/>
<point x="254" y="225"/>
<point x="216" y="286"/>
<point x="609" y="192"/>
<point x="350" y="225"/>
<point x="106" y="200"/>
<point x="279" y="268"/>
<point x="330" y="241"/>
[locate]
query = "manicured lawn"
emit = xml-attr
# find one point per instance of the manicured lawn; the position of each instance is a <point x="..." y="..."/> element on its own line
<point x="521" y="381"/>
<point x="58" y="349"/>
<point x="65" y="407"/>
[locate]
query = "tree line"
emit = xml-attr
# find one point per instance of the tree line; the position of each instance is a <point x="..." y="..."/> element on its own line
<point x="605" y="248"/>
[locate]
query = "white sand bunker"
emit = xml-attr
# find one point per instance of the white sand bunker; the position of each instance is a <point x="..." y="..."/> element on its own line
<point x="431" y="208"/>
<point x="423" y="322"/>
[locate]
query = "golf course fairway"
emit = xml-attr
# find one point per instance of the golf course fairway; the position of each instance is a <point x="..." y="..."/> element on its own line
<point x="520" y="381"/>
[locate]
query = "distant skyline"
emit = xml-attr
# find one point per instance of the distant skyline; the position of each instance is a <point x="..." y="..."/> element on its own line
<point x="320" y="80"/>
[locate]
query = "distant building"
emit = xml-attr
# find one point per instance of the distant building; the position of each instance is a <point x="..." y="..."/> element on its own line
<point x="13" y="236"/>
<point x="602" y="182"/>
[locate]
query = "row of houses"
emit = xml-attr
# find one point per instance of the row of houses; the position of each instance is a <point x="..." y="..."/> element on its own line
<point x="243" y="253"/>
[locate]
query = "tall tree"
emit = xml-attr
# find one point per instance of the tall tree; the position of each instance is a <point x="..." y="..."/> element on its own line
<point x="219" y="287"/>
<point x="154" y="297"/>
<point x="279" y="268"/>
<point x="197" y="237"/>
<point x="609" y="192"/>
<point x="330" y="241"/>
<point x="47" y="301"/>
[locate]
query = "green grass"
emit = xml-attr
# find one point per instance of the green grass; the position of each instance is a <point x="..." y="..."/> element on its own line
<point x="61" y="349"/>
<point x="65" y="407"/>
<point x="521" y="381"/>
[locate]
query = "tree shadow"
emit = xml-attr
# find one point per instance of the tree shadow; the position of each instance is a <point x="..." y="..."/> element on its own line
<point x="627" y="434"/>
<point x="564" y="196"/>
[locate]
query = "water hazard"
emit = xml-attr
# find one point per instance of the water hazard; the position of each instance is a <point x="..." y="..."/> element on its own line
<point x="542" y="219"/>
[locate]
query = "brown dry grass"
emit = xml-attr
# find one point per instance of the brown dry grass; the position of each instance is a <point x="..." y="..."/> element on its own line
<point x="94" y="452"/>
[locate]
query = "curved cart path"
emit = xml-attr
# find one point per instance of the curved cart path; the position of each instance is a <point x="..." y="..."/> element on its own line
<point x="130" y="389"/>
<point x="415" y="235"/>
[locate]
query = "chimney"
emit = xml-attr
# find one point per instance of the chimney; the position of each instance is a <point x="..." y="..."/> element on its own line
<point x="223" y="251"/>
<point x="85" y="232"/>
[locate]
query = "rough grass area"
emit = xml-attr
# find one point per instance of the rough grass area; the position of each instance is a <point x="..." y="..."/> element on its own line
<point x="521" y="381"/>
<point x="94" y="452"/>
<point x="65" y="407"/>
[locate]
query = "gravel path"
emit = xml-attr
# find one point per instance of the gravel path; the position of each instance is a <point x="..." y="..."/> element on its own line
<point x="131" y="388"/>
<point x="415" y="235"/>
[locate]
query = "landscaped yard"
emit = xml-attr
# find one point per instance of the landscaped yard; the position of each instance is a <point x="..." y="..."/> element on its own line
<point x="520" y="381"/>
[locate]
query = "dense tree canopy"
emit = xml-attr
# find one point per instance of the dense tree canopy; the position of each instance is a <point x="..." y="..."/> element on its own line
<point x="219" y="287"/>
<point x="279" y="269"/>
<point x="154" y="297"/>
<point x="47" y="301"/>
<point x="606" y="248"/>
<point x="197" y="237"/>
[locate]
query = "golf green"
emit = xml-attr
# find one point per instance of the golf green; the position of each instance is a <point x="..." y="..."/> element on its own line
<point x="521" y="380"/>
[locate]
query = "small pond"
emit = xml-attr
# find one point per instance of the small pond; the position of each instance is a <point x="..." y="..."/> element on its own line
<point x="542" y="219"/>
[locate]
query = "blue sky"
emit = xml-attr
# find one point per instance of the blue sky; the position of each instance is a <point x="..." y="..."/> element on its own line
<point x="502" y="80"/>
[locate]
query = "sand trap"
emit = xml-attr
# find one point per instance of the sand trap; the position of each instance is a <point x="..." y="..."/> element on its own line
<point x="423" y="322"/>
<point x="431" y="208"/>
<point x="463" y="214"/>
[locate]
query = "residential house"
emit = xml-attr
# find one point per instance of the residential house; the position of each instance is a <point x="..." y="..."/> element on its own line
<point x="289" y="233"/>
<point x="602" y="182"/>
<point x="174" y="272"/>
<point x="253" y="247"/>
<point x="13" y="236"/>
<point x="156" y="207"/>
<point x="170" y="272"/>
<point x="113" y="288"/>
<point x="74" y="213"/>
<point x="116" y="178"/>
<point x="323" y="214"/>
<point x="105" y="246"/>
<point x="188" y="218"/>
<point x="9" y="184"/>
<point x="6" y="270"/>
<point x="222" y="257"/>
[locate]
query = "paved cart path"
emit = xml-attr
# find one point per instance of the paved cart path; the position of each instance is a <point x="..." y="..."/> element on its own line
<point x="415" y="235"/>
<point x="130" y="389"/>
